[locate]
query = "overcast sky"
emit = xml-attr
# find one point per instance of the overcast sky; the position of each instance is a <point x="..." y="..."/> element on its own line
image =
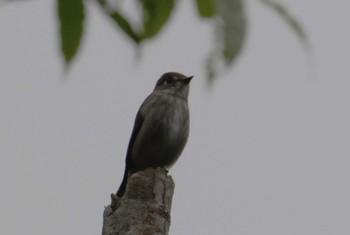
<point x="269" y="146"/>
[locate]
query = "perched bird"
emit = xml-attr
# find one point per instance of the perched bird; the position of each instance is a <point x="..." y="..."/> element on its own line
<point x="161" y="127"/>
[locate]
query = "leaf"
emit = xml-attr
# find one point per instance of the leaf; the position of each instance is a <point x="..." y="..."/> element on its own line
<point x="206" y="8"/>
<point x="155" y="15"/>
<point x="125" y="26"/>
<point x="231" y="32"/>
<point x="290" y="20"/>
<point x="233" y="27"/>
<point x="71" y="19"/>
<point x="121" y="21"/>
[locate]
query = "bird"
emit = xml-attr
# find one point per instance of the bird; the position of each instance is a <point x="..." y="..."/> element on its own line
<point x="161" y="127"/>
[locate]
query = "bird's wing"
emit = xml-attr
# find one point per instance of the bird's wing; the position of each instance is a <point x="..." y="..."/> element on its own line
<point x="128" y="161"/>
<point x="137" y="126"/>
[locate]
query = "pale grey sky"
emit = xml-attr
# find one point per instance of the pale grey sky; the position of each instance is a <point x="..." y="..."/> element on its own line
<point x="268" y="151"/>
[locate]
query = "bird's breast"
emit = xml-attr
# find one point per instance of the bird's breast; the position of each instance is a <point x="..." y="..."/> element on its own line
<point x="164" y="132"/>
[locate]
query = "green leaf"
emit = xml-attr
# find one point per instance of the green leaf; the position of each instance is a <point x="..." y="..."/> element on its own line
<point x="71" y="19"/>
<point x="231" y="32"/>
<point x="291" y="21"/>
<point x="121" y="21"/>
<point x="125" y="26"/>
<point x="155" y="15"/>
<point x="233" y="27"/>
<point x="206" y="8"/>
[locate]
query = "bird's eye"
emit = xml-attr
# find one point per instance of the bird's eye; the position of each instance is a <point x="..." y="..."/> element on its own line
<point x="169" y="80"/>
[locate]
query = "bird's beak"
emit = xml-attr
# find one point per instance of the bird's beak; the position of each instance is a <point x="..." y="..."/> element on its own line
<point x="187" y="80"/>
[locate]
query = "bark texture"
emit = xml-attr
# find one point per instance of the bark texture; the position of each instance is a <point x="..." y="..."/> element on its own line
<point x="145" y="207"/>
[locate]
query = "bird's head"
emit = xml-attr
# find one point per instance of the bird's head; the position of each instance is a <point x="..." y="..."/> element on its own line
<point x="174" y="84"/>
